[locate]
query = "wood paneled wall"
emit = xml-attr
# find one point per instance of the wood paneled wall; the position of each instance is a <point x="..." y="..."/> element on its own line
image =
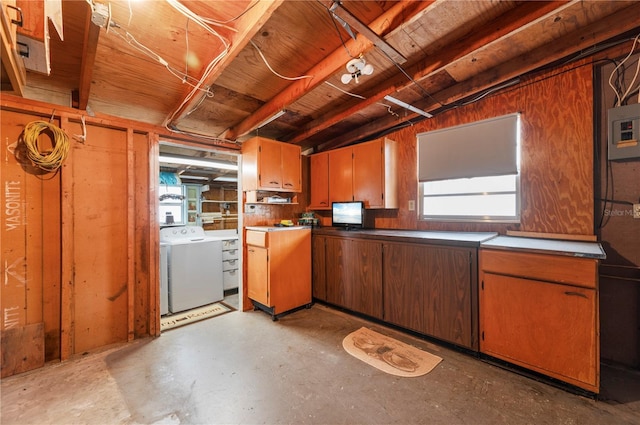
<point x="81" y="245"/>
<point x="30" y="253"/>
<point x="556" y="154"/>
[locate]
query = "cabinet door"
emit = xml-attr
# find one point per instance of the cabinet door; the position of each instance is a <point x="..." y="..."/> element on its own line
<point x="429" y="289"/>
<point x="340" y="175"/>
<point x="547" y="327"/>
<point x="291" y="164"/>
<point x="319" y="173"/>
<point x="448" y="296"/>
<point x="258" y="274"/>
<point x="270" y="170"/>
<point x="318" y="269"/>
<point x="368" y="174"/>
<point x="405" y="273"/>
<point x="354" y="275"/>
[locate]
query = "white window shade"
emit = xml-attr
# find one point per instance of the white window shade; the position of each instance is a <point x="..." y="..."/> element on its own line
<point x="479" y="149"/>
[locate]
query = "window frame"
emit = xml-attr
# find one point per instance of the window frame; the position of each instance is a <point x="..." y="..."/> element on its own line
<point x="472" y="218"/>
<point x="458" y="134"/>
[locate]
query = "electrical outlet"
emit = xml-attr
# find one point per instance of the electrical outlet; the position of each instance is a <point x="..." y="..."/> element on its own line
<point x="412" y="205"/>
<point x="636" y="210"/>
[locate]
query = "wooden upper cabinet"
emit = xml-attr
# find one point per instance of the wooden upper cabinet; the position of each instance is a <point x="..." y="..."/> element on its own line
<point x="368" y="174"/>
<point x="291" y="157"/>
<point x="271" y="165"/>
<point x="363" y="172"/>
<point x="319" y="176"/>
<point x="340" y="175"/>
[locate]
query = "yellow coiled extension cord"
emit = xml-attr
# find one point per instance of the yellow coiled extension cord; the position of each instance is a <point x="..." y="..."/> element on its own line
<point x="48" y="161"/>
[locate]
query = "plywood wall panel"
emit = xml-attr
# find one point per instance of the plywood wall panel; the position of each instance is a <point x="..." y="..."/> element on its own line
<point x="557" y="155"/>
<point x="29" y="241"/>
<point x="13" y="238"/>
<point x="100" y="239"/>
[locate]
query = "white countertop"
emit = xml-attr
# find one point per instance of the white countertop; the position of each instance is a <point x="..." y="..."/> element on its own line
<point x="276" y="228"/>
<point x="562" y="247"/>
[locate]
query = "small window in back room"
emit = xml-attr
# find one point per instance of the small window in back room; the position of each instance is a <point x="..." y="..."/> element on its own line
<point x="471" y="172"/>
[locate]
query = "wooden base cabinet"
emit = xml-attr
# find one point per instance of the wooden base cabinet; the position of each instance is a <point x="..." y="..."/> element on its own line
<point x="354" y="275"/>
<point x="432" y="290"/>
<point x="279" y="268"/>
<point x="318" y="268"/>
<point x="540" y="312"/>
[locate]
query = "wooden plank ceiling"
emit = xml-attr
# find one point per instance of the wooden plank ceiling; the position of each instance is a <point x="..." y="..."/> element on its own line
<point x="217" y="68"/>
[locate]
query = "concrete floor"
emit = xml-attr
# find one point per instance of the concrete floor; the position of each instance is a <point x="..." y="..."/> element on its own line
<point x="242" y="368"/>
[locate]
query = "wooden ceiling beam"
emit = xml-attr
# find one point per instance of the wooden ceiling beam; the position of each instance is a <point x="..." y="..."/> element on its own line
<point x="400" y="12"/>
<point x="586" y="37"/>
<point x="338" y="10"/>
<point x="248" y="25"/>
<point x="89" y="49"/>
<point x="506" y="24"/>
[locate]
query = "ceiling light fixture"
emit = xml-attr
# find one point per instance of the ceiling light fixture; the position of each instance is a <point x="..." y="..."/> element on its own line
<point x="355" y="69"/>
<point x="166" y="159"/>
<point x="407" y="106"/>
<point x="272" y="118"/>
<point x="225" y="179"/>
<point x="182" y="176"/>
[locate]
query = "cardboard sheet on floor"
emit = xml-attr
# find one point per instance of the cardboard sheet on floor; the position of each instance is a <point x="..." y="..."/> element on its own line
<point x="389" y="355"/>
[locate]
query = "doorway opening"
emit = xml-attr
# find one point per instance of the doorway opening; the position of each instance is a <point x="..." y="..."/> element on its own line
<point x="199" y="194"/>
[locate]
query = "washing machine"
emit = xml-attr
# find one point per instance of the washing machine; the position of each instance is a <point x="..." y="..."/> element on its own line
<point x="194" y="267"/>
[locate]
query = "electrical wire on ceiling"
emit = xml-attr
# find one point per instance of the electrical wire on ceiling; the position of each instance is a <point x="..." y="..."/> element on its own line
<point x="131" y="40"/>
<point x="203" y="23"/>
<point x="242" y="14"/>
<point x="197" y="85"/>
<point x="345" y="91"/>
<point x="264" y="59"/>
<point x="357" y="96"/>
<point x="422" y="89"/>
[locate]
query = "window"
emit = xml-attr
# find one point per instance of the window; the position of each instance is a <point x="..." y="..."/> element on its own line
<point x="471" y="172"/>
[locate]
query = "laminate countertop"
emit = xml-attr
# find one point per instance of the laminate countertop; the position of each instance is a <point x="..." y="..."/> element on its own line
<point x="472" y="239"/>
<point x="547" y="246"/>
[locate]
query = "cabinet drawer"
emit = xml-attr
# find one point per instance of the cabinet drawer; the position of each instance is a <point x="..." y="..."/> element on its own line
<point x="230" y="254"/>
<point x="230" y="244"/>
<point x="230" y="279"/>
<point x="257" y="238"/>
<point x="229" y="265"/>
<point x="550" y="268"/>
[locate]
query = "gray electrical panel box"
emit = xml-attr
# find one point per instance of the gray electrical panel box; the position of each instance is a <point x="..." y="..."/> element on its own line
<point x="624" y="132"/>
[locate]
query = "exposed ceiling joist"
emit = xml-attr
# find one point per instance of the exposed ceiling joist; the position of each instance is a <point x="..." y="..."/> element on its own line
<point x="325" y="69"/>
<point x="455" y="51"/>
<point x="338" y="10"/>
<point x="505" y="24"/>
<point x="89" y="49"/>
<point x="248" y="26"/>
<point x="598" y="32"/>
